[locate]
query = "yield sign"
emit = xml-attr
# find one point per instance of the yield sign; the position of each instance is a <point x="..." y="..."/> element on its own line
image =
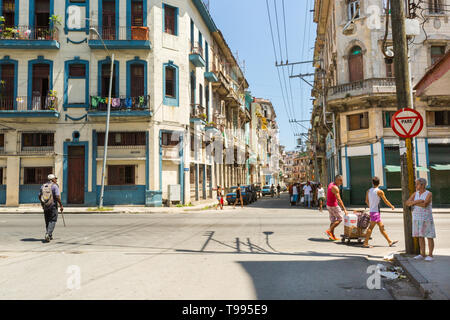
<point x="407" y="123"/>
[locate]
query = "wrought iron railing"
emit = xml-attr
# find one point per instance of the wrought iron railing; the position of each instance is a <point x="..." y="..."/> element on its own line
<point x="28" y="33"/>
<point x="121" y="103"/>
<point x="120" y="33"/>
<point x="197" y="48"/>
<point x="34" y="103"/>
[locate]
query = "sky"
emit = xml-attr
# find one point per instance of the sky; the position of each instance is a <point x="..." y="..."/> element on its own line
<point x="246" y="28"/>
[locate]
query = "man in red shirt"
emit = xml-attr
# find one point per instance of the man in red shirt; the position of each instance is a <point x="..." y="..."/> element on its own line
<point x="333" y="202"/>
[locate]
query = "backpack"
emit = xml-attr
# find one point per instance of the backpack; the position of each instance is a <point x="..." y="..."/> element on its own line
<point x="47" y="196"/>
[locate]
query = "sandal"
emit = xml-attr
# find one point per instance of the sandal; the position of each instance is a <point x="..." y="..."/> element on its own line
<point x="393" y="242"/>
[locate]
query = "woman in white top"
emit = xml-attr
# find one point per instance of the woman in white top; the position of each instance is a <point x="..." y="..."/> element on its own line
<point x="422" y="222"/>
<point x="321" y="196"/>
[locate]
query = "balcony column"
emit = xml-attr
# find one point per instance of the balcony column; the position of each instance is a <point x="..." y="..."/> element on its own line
<point x="12" y="181"/>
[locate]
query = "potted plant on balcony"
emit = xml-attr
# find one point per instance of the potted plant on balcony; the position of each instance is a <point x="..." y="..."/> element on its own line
<point x="55" y="22"/>
<point x="52" y="100"/>
<point x="203" y="116"/>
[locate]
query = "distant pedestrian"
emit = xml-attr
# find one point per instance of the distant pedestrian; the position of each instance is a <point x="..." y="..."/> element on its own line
<point x="422" y="219"/>
<point x="333" y="202"/>
<point x="50" y="197"/>
<point x="307" y="194"/>
<point x="294" y="194"/>
<point x="219" y="198"/>
<point x="373" y="197"/>
<point x="238" y="196"/>
<point x="272" y="190"/>
<point x="278" y="190"/>
<point x="321" y="197"/>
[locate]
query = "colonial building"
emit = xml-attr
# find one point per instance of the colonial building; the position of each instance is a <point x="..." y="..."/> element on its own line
<point x="173" y="79"/>
<point x="355" y="87"/>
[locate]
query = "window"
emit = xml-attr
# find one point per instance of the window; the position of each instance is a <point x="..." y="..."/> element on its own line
<point x="38" y="139"/>
<point x="170" y="22"/>
<point x="438" y="118"/>
<point x="355" y="64"/>
<point x="387" y="117"/>
<point x="7" y="77"/>
<point x="169" y="139"/>
<point x="8" y="12"/>
<point x="353" y="9"/>
<point x="77" y="70"/>
<point x="42" y="15"/>
<point x="200" y="95"/>
<point x="392" y="158"/>
<point x="436" y="52"/>
<point x="121" y="175"/>
<point x="106" y="73"/>
<point x="137" y="13"/>
<point x="2" y="140"/>
<point x="36" y="175"/>
<point x="137" y="80"/>
<point x="390" y="70"/>
<point x="170" y="82"/>
<point x="122" y="139"/>
<point x="358" y="121"/>
<point x="435" y="7"/>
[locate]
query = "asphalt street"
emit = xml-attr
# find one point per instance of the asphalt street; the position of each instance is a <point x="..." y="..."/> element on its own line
<point x="268" y="250"/>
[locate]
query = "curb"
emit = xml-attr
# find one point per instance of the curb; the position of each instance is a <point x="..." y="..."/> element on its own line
<point x="427" y="289"/>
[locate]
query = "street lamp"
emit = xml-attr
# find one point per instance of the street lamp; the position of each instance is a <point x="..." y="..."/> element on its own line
<point x="108" y="114"/>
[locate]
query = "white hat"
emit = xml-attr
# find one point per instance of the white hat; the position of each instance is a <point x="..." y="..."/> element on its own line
<point x="51" y="177"/>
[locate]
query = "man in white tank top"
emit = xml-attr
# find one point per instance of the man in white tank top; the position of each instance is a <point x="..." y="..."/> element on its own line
<point x="373" y="197"/>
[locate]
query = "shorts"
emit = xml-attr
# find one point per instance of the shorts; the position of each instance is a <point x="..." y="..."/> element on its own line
<point x="323" y="199"/>
<point x="335" y="213"/>
<point x="375" y="217"/>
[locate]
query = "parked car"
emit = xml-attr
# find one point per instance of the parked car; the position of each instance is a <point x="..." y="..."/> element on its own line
<point x="231" y="196"/>
<point x="253" y="195"/>
<point x="266" y="191"/>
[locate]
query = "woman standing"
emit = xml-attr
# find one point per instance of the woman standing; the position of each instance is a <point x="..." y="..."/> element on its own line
<point x="423" y="223"/>
<point x="219" y="198"/>
<point x="238" y="197"/>
<point x="321" y="196"/>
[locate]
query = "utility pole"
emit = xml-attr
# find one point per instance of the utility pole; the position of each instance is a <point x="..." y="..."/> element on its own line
<point x="403" y="85"/>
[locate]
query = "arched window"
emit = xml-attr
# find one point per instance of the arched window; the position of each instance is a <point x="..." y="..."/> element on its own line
<point x="355" y="64"/>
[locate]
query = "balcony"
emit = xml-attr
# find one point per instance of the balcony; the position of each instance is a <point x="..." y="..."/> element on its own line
<point x="196" y="56"/>
<point x="213" y="75"/>
<point x="23" y="107"/>
<point x="121" y="38"/>
<point x="171" y="153"/>
<point x="363" y="87"/>
<point x="25" y="37"/>
<point x="198" y="113"/>
<point x="122" y="106"/>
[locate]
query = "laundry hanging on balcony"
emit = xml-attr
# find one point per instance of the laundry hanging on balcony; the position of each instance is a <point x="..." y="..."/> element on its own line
<point x="140" y="102"/>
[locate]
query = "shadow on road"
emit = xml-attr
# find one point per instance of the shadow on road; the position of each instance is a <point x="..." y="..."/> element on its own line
<point x="32" y="240"/>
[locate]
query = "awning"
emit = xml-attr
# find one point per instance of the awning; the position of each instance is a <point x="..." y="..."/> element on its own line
<point x="392" y="168"/>
<point x="422" y="169"/>
<point x="441" y="167"/>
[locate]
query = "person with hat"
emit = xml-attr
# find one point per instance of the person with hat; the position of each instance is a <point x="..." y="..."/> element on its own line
<point x="50" y="197"/>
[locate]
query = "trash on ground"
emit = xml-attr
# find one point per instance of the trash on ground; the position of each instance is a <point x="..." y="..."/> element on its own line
<point x="389" y="274"/>
<point x="389" y="257"/>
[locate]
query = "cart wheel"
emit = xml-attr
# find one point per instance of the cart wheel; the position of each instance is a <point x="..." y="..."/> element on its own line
<point x="342" y="239"/>
<point x="348" y="241"/>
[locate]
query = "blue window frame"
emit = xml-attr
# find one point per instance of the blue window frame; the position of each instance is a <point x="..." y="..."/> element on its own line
<point x="207" y="56"/>
<point x="31" y="11"/>
<point x="6" y="60"/>
<point x="116" y="74"/>
<point x="171" y="100"/>
<point x="192" y="34"/>
<point x="16" y="11"/>
<point x="164" y="7"/>
<point x="67" y="76"/>
<point x="77" y="3"/>
<point x="200" y="41"/>
<point x="135" y="61"/>
<point x="31" y="63"/>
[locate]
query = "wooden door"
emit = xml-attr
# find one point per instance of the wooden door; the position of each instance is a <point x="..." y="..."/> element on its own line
<point x="7" y="88"/>
<point x="137" y="80"/>
<point x="40" y="85"/>
<point x="137" y="13"/>
<point x="75" y="183"/>
<point x="109" y="20"/>
<point x="355" y="63"/>
<point x="360" y="179"/>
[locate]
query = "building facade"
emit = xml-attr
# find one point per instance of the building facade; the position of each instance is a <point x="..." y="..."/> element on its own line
<point x="175" y="88"/>
<point x="355" y="87"/>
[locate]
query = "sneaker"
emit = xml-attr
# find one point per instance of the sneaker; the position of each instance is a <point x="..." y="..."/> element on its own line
<point x="429" y="259"/>
<point x="419" y="257"/>
<point x="47" y="238"/>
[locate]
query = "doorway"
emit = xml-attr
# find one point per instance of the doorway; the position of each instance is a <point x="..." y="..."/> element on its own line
<point x="76" y="178"/>
<point x="360" y="179"/>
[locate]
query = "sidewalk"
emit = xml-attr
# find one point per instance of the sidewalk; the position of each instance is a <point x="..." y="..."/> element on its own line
<point x="37" y="209"/>
<point x="431" y="278"/>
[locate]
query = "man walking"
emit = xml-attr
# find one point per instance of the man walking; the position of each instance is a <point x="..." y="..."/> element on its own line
<point x="307" y="194"/>
<point x="373" y="197"/>
<point x="333" y="202"/>
<point x="50" y="197"/>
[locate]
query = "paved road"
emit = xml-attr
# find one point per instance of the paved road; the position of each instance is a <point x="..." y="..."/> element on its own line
<point x="266" y="251"/>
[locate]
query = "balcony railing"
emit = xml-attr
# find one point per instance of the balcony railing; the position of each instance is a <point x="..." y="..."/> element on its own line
<point x="198" y="112"/>
<point x="120" y="38"/>
<point x="197" y="48"/>
<point x="23" y="103"/>
<point x="196" y="55"/>
<point x="120" y="104"/>
<point x="28" y="33"/>
<point x="374" y="85"/>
